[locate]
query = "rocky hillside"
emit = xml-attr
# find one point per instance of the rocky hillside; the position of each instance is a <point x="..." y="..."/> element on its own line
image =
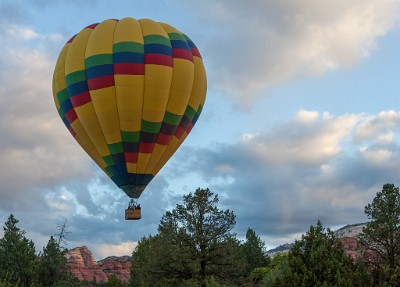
<point x="82" y="265"/>
<point x="346" y="234"/>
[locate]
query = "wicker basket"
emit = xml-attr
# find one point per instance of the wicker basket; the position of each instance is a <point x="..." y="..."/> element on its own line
<point x="133" y="214"/>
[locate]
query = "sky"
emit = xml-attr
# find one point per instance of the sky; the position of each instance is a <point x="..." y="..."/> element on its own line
<point x="301" y="121"/>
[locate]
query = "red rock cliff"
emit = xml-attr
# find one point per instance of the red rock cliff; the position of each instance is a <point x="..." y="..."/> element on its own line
<point x="82" y="265"/>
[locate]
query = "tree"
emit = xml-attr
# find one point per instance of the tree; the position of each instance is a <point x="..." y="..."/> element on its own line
<point x="193" y="245"/>
<point x="145" y="270"/>
<point x="319" y="260"/>
<point x="380" y="238"/>
<point x="17" y="255"/>
<point x="52" y="269"/>
<point x="273" y="274"/>
<point x="113" y="281"/>
<point x="253" y="250"/>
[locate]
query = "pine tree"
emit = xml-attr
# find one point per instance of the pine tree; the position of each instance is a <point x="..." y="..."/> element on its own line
<point x="319" y="260"/>
<point x="381" y="237"/>
<point x="193" y="244"/>
<point x="253" y="250"/>
<point x="52" y="269"/>
<point x="17" y="255"/>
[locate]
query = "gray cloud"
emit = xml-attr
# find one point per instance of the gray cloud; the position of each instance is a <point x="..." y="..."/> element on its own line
<point x="291" y="182"/>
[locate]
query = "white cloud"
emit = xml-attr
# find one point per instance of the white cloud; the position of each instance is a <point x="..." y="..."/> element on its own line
<point x="307" y="139"/>
<point x="306" y="117"/>
<point x="379" y="127"/>
<point x="305" y="169"/>
<point x="100" y="251"/>
<point x="35" y="148"/>
<point x="377" y="156"/>
<point x="260" y="44"/>
<point x="21" y="32"/>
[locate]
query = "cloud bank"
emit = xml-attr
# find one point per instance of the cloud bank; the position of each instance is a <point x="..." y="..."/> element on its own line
<point x="254" y="46"/>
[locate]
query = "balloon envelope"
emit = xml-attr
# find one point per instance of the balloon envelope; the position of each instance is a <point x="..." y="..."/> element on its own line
<point x="129" y="91"/>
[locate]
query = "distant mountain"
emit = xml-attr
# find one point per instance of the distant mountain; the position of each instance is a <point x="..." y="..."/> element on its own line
<point x="347" y="234"/>
<point x="83" y="266"/>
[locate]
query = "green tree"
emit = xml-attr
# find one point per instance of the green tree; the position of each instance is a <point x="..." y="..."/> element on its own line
<point x="273" y="274"/>
<point x="113" y="281"/>
<point x="17" y="254"/>
<point x="52" y="268"/>
<point x="145" y="270"/>
<point x="380" y="238"/>
<point x="193" y="245"/>
<point x="7" y="282"/>
<point x="319" y="260"/>
<point x="253" y="250"/>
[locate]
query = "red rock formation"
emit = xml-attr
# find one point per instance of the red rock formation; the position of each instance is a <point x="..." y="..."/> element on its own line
<point x="120" y="266"/>
<point x="350" y="246"/>
<point x="82" y="265"/>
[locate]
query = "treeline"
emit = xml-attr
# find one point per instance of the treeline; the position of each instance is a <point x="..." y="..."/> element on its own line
<point x="20" y="266"/>
<point x="195" y="246"/>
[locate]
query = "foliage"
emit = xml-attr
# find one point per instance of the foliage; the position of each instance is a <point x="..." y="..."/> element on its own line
<point x="6" y="282"/>
<point x="273" y="274"/>
<point x="113" y="281"/>
<point x="318" y="260"/>
<point x="193" y="244"/>
<point x="380" y="238"/>
<point x="253" y="250"/>
<point x="17" y="255"/>
<point x="52" y="269"/>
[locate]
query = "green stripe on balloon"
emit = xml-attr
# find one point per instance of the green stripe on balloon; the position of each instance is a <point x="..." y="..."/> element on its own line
<point x="157" y="39"/>
<point x="128" y="47"/>
<point x="132" y="137"/>
<point x="108" y="160"/>
<point x="62" y="95"/>
<point x="176" y="36"/>
<point x="172" y="119"/>
<point x="116" y="148"/>
<point x="150" y="127"/>
<point x="190" y="112"/>
<point x="75" y="77"/>
<point x="97" y="60"/>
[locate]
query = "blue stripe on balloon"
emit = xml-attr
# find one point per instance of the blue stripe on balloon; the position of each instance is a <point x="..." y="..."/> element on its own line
<point x="128" y="57"/>
<point x="99" y="71"/>
<point x="157" y="49"/>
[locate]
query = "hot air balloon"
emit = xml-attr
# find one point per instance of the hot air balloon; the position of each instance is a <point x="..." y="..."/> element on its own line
<point x="130" y="91"/>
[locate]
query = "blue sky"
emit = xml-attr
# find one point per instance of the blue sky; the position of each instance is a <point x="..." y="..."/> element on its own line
<point x="301" y="120"/>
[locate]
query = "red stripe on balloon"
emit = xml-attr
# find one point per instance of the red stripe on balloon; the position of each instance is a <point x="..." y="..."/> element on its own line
<point x="71" y="39"/>
<point x="182" y="54"/>
<point x="146" y="147"/>
<point x="158" y="59"/>
<point x="71" y="115"/>
<point x="92" y="26"/>
<point x="179" y="132"/>
<point x="80" y="99"/>
<point x="101" y="82"/>
<point x="196" y="52"/>
<point x="128" y="69"/>
<point x="163" y="139"/>
<point x="131" y="157"/>
<point x="189" y="128"/>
